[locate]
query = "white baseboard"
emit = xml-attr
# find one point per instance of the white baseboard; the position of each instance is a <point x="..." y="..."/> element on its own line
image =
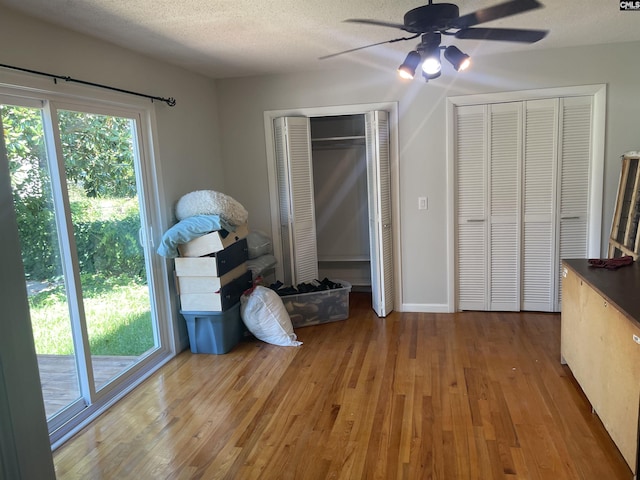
<point x="424" y="307"/>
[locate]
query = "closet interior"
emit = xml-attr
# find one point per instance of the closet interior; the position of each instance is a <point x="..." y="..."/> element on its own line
<point x="339" y="162"/>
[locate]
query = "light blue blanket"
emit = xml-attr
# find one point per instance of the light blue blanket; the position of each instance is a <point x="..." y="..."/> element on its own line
<point x="189" y="229"/>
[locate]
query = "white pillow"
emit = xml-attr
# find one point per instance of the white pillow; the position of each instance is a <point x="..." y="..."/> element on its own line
<point x="210" y="202"/>
<point x="263" y="313"/>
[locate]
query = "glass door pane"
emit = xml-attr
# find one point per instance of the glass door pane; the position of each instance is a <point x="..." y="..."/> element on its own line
<point x="99" y="162"/>
<point x="44" y="272"/>
<point x="90" y="303"/>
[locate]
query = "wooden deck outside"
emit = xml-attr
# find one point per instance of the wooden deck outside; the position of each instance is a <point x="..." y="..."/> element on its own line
<point x="59" y="378"/>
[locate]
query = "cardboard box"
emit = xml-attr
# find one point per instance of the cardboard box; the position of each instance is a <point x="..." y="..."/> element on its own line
<point x="218" y="301"/>
<point x="217" y="265"/>
<point x="209" y="284"/>
<point x="214" y="332"/>
<point x="212" y="242"/>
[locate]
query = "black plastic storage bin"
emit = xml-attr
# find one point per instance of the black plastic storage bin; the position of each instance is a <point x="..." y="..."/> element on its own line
<point x="214" y="332"/>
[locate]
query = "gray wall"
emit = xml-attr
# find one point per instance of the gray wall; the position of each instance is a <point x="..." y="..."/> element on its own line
<point x="23" y="431"/>
<point x="422" y="133"/>
<point x="187" y="133"/>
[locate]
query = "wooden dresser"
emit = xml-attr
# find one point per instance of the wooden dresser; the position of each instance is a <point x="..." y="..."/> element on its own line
<point x="600" y="342"/>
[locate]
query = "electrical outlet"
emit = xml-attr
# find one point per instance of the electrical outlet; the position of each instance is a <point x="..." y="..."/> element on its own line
<point x="422" y="203"/>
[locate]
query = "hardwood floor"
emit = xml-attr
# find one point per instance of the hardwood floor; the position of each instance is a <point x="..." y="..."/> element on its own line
<point x="416" y="395"/>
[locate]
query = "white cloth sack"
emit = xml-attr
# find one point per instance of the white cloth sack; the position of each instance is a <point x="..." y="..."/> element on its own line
<point x="265" y="316"/>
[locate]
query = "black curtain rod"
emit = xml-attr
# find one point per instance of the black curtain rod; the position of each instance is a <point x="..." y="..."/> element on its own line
<point x="169" y="101"/>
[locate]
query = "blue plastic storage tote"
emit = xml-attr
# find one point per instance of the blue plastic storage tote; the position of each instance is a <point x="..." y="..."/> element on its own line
<point x="214" y="332"/>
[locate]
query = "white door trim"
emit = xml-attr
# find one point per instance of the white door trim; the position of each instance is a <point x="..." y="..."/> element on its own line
<point x="596" y="172"/>
<point x="356" y="109"/>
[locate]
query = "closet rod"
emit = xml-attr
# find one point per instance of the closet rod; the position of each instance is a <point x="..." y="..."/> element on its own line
<point x="169" y="101"/>
<point x="334" y="139"/>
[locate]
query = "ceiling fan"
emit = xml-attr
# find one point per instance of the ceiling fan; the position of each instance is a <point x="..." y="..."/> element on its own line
<point x="432" y="21"/>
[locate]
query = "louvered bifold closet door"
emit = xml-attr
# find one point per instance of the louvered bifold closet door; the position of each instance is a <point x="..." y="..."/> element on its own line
<point x="379" y="199"/>
<point x="471" y="235"/>
<point x="284" y="202"/>
<point x="575" y="153"/>
<point x="295" y="189"/>
<point x="539" y="186"/>
<point x="504" y="206"/>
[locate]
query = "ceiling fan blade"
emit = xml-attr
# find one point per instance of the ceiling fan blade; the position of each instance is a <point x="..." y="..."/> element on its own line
<point x="367" y="46"/>
<point x="376" y="22"/>
<point x="501" y="10"/>
<point x="502" y="34"/>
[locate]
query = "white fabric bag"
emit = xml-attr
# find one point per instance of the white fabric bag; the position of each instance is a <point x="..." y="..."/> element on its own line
<point x="265" y="316"/>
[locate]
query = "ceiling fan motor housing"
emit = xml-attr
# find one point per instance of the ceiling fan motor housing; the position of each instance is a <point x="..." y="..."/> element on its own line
<point x="430" y="18"/>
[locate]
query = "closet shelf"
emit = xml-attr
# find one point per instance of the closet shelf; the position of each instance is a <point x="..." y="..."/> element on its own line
<point x="338" y="142"/>
<point x="353" y="258"/>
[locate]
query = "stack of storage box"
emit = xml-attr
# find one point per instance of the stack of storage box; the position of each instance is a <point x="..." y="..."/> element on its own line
<point x="211" y="275"/>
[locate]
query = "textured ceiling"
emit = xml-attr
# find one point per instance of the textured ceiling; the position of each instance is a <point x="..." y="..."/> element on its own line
<point x="229" y="38"/>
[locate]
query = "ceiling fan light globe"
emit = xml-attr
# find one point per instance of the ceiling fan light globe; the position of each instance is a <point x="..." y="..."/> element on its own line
<point x="431" y="76"/>
<point x="459" y="60"/>
<point x="408" y="68"/>
<point x="431" y="66"/>
<point x="405" y="73"/>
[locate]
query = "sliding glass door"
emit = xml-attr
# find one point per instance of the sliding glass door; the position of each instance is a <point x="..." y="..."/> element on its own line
<point x="78" y="189"/>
